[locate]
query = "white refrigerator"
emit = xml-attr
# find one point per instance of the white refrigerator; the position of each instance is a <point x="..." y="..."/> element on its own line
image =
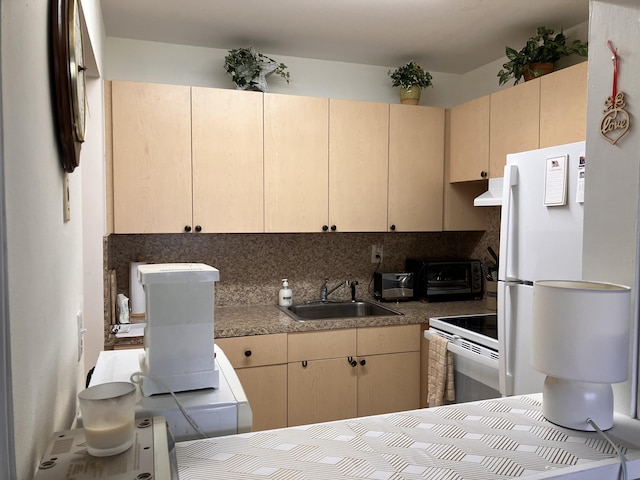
<point x="540" y="239"/>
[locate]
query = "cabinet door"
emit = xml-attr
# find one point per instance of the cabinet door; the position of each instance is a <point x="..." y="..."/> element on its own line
<point x="296" y="163"/>
<point x="322" y="344"/>
<point x="261" y="364"/>
<point x="388" y="339"/>
<point x="388" y="383"/>
<point x="255" y="350"/>
<point x="358" y="165"/>
<point x="321" y="390"/>
<point x="227" y="160"/>
<point x="388" y="369"/>
<point x="266" y="390"/>
<point x="469" y="141"/>
<point x="416" y="168"/>
<point x="459" y="212"/>
<point x="151" y="157"/>
<point x="515" y="123"/>
<point x="563" y="106"/>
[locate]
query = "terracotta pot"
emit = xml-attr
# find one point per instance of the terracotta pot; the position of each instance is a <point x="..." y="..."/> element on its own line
<point x="410" y="96"/>
<point x="536" y="70"/>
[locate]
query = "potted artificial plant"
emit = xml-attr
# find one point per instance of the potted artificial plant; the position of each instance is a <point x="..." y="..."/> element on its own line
<point x="249" y="70"/>
<point x="538" y="56"/>
<point x="411" y="78"/>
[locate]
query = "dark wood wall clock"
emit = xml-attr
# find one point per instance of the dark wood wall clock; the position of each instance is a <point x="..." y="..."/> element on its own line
<point x="69" y="81"/>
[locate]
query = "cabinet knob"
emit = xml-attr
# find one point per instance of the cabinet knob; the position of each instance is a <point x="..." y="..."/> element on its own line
<point x="247" y="353"/>
<point x="325" y="228"/>
<point x="392" y="227"/>
<point x="333" y="228"/>
<point x="187" y="228"/>
<point x="351" y="361"/>
<point x="198" y="228"/>
<point x="363" y="362"/>
<point x="483" y="174"/>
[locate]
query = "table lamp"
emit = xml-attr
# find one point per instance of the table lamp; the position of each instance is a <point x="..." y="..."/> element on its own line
<point x="581" y="342"/>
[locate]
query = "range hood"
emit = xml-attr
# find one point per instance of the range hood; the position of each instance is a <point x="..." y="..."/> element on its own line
<point x="493" y="196"/>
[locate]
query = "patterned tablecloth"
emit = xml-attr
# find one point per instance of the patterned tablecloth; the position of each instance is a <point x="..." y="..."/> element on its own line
<point x="493" y="439"/>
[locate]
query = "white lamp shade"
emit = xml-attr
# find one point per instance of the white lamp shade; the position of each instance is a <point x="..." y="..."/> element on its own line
<point x="581" y="330"/>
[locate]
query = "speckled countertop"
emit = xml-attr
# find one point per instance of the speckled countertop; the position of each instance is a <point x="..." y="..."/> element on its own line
<point x="239" y="321"/>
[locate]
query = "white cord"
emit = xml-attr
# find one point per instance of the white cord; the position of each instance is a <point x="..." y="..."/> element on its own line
<point x="166" y="387"/>
<point x="623" y="461"/>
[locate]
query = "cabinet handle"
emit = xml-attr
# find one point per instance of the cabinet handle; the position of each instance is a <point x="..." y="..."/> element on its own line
<point x="483" y="174"/>
<point x="333" y="228"/>
<point x="247" y="353"/>
<point x="304" y="364"/>
<point x="325" y="228"/>
<point x="392" y="227"/>
<point x="198" y="228"/>
<point x="187" y="228"/>
<point x="351" y="361"/>
<point x="363" y="362"/>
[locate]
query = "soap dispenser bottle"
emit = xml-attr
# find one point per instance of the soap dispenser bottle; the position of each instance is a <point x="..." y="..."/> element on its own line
<point x="285" y="296"/>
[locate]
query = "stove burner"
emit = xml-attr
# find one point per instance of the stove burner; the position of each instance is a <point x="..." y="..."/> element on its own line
<point x="486" y="324"/>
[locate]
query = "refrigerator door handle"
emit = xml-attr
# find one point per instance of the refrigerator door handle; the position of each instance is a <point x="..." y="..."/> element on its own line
<point x="505" y="340"/>
<point x="510" y="181"/>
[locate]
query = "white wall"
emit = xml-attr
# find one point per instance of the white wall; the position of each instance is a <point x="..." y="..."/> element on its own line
<point x="94" y="189"/>
<point x="44" y="272"/>
<point x="612" y="191"/>
<point x="184" y="65"/>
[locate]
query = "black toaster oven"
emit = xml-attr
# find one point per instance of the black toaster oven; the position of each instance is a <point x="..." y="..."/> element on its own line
<point x="440" y="280"/>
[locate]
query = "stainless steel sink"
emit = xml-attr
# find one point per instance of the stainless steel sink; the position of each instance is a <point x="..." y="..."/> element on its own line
<point x="326" y="310"/>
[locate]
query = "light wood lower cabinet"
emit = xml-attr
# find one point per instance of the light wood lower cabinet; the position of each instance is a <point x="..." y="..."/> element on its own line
<point x="322" y="380"/>
<point x="347" y="373"/>
<point x="388" y="383"/>
<point x="260" y="362"/>
<point x="321" y="390"/>
<point x="388" y="369"/>
<point x="310" y="377"/>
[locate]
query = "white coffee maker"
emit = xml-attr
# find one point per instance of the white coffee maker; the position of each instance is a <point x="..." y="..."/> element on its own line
<point x="178" y="337"/>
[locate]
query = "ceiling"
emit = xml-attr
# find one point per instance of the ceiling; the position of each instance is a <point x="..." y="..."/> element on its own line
<point x="452" y="36"/>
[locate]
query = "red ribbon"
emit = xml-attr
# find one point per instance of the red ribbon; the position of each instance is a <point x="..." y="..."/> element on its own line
<point x="615" y="57"/>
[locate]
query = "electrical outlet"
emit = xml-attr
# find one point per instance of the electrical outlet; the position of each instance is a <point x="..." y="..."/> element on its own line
<point x="376" y="253"/>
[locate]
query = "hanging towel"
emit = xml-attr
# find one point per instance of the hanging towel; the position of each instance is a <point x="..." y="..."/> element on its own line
<point x="440" y="387"/>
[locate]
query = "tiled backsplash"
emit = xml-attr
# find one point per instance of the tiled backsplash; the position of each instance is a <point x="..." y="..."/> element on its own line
<point x="252" y="265"/>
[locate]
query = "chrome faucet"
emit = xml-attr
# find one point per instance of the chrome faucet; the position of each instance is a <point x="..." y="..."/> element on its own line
<point x="353" y="284"/>
<point x="325" y="292"/>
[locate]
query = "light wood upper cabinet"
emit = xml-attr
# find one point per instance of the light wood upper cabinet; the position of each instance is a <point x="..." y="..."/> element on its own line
<point x="563" y="106"/>
<point x="514" y="123"/>
<point x="469" y="141"/>
<point x="296" y="163"/>
<point x="151" y="134"/>
<point x="416" y="168"/>
<point x="227" y="160"/>
<point x="358" y="165"/>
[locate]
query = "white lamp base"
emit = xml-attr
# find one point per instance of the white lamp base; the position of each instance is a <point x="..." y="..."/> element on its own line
<point x="569" y="404"/>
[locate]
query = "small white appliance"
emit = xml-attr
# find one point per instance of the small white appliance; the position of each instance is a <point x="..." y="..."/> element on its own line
<point x="540" y="239"/>
<point x="178" y="336"/>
